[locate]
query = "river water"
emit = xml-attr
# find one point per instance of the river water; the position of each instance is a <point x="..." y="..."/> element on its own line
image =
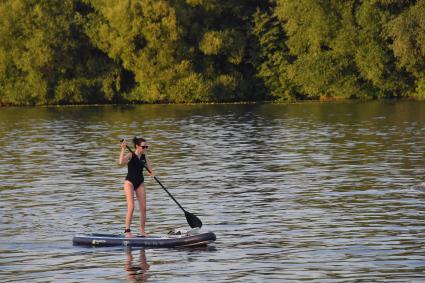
<point x="318" y="192"/>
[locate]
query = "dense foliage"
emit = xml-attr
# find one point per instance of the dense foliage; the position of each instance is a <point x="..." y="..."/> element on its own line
<point x="101" y="51"/>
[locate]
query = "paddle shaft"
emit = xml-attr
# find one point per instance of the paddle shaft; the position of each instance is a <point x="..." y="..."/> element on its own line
<point x="162" y="186"/>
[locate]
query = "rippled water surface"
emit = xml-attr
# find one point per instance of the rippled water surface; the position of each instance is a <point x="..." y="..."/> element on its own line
<point x="302" y="192"/>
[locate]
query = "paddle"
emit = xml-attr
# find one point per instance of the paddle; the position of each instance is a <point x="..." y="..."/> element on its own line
<point x="192" y="220"/>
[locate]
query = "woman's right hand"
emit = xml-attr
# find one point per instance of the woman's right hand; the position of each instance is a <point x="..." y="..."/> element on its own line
<point x="123" y="144"/>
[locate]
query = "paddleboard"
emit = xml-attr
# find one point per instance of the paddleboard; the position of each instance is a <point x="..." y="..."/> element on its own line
<point x="194" y="237"/>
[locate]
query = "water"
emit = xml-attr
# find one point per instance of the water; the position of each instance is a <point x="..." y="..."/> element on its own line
<point x="302" y="192"/>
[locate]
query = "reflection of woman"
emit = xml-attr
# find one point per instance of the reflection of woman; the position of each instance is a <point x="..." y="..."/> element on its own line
<point x="134" y="182"/>
<point x="137" y="273"/>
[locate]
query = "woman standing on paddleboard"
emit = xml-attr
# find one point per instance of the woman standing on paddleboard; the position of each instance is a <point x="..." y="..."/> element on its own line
<point x="134" y="182"/>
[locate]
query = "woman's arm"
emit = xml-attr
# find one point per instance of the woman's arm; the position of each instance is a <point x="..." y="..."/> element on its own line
<point x="124" y="159"/>
<point x="148" y="165"/>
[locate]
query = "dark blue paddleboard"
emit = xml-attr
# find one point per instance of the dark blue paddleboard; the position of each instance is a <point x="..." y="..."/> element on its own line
<point x="192" y="238"/>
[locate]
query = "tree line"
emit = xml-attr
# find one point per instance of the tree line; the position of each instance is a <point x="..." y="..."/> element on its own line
<point x="178" y="51"/>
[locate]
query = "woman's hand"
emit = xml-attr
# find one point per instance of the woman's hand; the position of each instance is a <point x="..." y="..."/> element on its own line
<point x="122" y="160"/>
<point x="123" y="144"/>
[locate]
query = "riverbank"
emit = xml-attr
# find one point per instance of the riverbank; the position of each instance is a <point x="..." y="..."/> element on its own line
<point x="322" y="99"/>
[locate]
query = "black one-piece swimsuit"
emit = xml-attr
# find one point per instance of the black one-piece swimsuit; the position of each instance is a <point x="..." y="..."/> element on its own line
<point x="135" y="170"/>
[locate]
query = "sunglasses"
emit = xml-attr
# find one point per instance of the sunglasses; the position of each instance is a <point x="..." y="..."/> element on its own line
<point x="144" y="146"/>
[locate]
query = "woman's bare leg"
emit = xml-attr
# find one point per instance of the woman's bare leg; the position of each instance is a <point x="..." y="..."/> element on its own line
<point x="141" y="197"/>
<point x="129" y="196"/>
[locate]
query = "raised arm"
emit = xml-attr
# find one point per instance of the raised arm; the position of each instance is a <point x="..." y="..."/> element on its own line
<point x="124" y="158"/>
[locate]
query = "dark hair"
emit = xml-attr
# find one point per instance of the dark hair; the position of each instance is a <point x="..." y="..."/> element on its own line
<point x="138" y="141"/>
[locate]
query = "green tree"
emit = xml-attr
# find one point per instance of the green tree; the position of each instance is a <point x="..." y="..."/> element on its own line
<point x="273" y="57"/>
<point x="373" y="55"/>
<point x="101" y="51"/>
<point x="218" y="41"/>
<point x="144" y="38"/>
<point x="47" y="59"/>
<point x="320" y="39"/>
<point x="408" y="33"/>
<point x="330" y="48"/>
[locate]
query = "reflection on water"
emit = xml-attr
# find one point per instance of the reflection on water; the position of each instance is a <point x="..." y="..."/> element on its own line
<point x="325" y="192"/>
<point x="137" y="271"/>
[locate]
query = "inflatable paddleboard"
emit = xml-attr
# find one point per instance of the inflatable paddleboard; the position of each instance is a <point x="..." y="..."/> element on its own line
<point x="178" y="238"/>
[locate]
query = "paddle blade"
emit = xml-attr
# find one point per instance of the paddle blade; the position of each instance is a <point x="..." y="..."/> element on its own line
<point x="194" y="222"/>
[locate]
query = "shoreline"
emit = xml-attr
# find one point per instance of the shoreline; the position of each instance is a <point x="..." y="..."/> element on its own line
<point x="319" y="100"/>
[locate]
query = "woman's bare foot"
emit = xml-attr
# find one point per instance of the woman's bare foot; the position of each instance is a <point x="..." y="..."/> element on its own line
<point x="128" y="235"/>
<point x="144" y="234"/>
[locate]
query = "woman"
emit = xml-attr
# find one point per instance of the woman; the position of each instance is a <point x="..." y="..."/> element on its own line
<point x="134" y="182"/>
